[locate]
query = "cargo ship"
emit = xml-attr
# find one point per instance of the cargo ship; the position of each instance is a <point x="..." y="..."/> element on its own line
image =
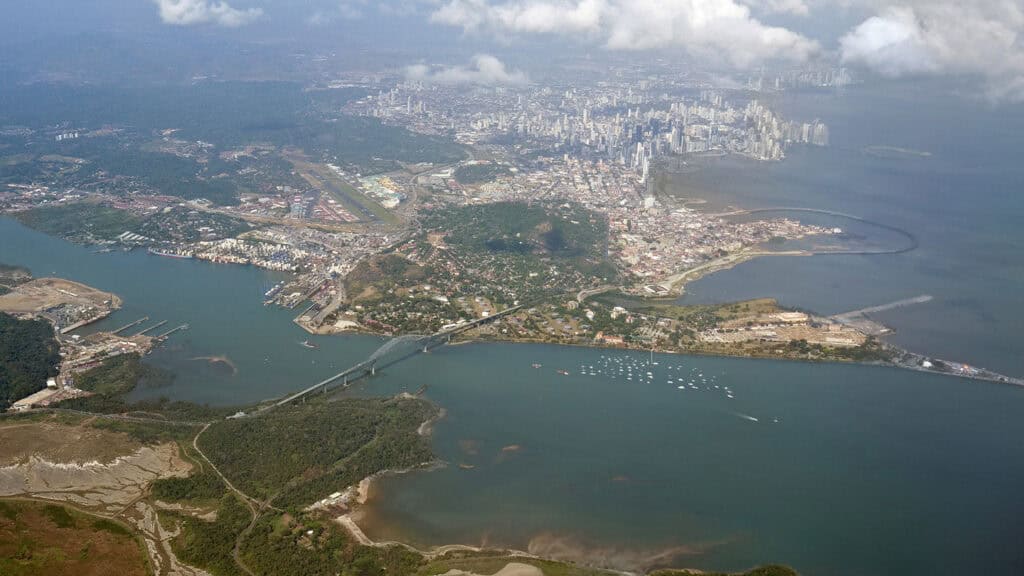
<point x="269" y="294"/>
<point x="170" y="254"/>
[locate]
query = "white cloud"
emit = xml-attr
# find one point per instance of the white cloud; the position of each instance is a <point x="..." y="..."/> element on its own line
<point x="892" y="44"/>
<point x="714" y="29"/>
<point x="359" y="9"/>
<point x="485" y="69"/>
<point x="189" y="12"/>
<point x="970" y="38"/>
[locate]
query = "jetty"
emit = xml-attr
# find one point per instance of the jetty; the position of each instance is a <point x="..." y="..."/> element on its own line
<point x="130" y="325"/>
<point x="860" y="319"/>
<point x="172" y="331"/>
<point x="151" y="328"/>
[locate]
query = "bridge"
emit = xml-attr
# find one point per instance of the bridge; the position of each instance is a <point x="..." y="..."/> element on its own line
<point x="368" y="367"/>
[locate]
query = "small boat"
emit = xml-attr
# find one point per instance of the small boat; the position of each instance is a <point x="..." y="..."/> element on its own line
<point x="563" y="372"/>
<point x="535" y="365"/>
<point x="308" y="344"/>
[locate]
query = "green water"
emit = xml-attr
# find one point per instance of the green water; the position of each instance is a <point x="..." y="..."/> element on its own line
<point x="846" y="470"/>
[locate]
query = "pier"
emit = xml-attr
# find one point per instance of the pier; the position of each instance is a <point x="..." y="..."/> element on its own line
<point x="171" y="331"/>
<point x="151" y="328"/>
<point x="130" y="325"/>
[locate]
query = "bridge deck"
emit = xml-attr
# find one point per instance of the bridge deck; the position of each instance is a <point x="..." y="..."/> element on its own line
<point x="367" y="366"/>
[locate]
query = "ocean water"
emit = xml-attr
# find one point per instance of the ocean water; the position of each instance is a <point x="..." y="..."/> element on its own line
<point x="963" y="204"/>
<point x="833" y="469"/>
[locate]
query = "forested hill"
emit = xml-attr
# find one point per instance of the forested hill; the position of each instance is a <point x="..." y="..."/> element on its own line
<point x="29" y="354"/>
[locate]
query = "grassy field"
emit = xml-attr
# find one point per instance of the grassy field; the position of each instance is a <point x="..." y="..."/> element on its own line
<point x="37" y="538"/>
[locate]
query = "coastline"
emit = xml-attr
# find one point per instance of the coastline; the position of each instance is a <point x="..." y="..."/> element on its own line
<point x="1009" y="380"/>
<point x="361" y="494"/>
<point x="675" y="285"/>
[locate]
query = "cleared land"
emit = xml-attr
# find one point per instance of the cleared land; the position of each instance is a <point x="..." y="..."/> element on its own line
<point x="38" y="538"/>
<point x="100" y="470"/>
<point x="38" y="295"/>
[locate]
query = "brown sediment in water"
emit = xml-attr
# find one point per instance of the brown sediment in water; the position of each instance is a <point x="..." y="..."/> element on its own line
<point x="547" y="546"/>
<point x="219" y="360"/>
<point x="569" y="549"/>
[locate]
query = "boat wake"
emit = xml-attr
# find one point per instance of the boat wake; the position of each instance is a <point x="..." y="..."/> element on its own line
<point x="745" y="416"/>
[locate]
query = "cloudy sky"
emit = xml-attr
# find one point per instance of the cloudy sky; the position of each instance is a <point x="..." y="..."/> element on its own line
<point x="980" y="40"/>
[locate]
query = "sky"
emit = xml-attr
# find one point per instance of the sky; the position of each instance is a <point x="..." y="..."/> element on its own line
<point x="976" y="40"/>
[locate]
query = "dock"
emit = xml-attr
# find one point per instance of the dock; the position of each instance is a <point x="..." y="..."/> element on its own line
<point x="172" y="331"/>
<point x="130" y="325"/>
<point x="153" y="327"/>
<point x="81" y="323"/>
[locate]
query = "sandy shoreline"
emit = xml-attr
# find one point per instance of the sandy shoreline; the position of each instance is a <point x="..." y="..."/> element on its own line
<point x="362" y="494"/>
